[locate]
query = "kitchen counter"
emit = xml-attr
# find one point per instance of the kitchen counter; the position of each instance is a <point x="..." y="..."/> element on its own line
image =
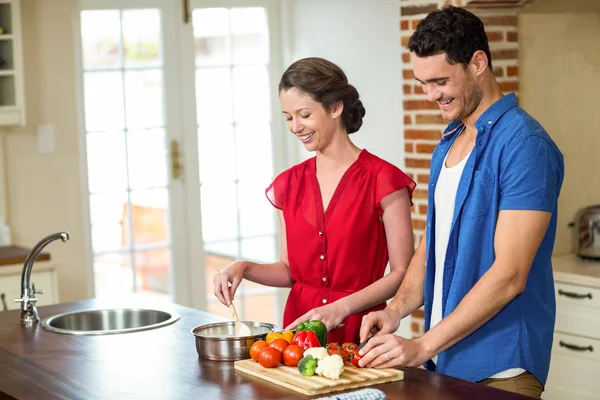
<point x="160" y="364"/>
<point x="572" y="269"/>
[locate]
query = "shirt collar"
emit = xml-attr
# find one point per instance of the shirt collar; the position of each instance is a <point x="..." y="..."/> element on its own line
<point x="488" y="118"/>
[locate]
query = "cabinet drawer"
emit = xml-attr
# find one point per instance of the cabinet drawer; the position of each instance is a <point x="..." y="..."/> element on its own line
<point x="573" y="373"/>
<point x="577" y="295"/>
<point x="10" y="285"/>
<point x="577" y="320"/>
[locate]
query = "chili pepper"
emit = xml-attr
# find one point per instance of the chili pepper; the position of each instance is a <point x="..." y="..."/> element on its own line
<point x="306" y="339"/>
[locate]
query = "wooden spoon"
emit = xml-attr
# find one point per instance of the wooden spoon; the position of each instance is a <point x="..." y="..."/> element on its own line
<point x="241" y="329"/>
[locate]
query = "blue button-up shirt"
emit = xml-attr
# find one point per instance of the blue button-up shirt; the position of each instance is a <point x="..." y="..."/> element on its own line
<point x="513" y="166"/>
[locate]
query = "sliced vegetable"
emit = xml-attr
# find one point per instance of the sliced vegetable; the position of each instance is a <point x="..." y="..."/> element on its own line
<point x="306" y="339"/>
<point x="317" y="327"/>
<point x="307" y="366"/>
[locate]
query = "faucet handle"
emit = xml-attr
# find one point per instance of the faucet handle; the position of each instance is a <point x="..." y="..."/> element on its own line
<point x="34" y="291"/>
<point x="26" y="300"/>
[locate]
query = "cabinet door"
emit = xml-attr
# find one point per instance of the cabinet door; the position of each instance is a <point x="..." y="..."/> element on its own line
<point x="574" y="369"/>
<point x="10" y="286"/>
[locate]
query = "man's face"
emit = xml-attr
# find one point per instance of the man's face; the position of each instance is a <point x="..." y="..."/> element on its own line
<point x="453" y="87"/>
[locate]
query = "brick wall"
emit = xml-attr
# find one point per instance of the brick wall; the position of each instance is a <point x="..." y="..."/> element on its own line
<point x="423" y="124"/>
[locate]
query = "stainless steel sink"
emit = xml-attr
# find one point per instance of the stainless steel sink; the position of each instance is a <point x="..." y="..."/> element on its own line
<point x="109" y="321"/>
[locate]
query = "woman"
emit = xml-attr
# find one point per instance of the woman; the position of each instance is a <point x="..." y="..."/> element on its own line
<point x="344" y="212"/>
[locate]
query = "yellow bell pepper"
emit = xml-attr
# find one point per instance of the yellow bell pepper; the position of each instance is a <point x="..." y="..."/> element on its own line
<point x="286" y="335"/>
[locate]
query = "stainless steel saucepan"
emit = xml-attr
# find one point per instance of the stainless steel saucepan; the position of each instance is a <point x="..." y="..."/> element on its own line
<point x="218" y="341"/>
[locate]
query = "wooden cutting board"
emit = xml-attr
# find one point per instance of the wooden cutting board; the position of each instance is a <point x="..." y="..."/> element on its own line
<point x="290" y="378"/>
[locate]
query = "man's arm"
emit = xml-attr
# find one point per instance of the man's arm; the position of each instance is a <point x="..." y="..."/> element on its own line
<point x="517" y="239"/>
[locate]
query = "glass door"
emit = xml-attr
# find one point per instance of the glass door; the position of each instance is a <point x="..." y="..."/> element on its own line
<point x="132" y="138"/>
<point x="235" y="79"/>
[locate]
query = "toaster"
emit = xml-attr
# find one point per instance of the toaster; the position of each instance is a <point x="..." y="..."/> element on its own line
<point x="587" y="232"/>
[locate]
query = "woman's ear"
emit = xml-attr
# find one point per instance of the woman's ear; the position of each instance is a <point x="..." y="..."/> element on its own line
<point x="337" y="109"/>
<point x="479" y="62"/>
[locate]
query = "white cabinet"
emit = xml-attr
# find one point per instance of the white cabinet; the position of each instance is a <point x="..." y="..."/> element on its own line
<point x="43" y="276"/>
<point x="575" y="364"/>
<point x="12" y="102"/>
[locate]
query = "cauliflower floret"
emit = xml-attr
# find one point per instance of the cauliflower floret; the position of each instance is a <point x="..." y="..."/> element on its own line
<point x="331" y="366"/>
<point x="318" y="353"/>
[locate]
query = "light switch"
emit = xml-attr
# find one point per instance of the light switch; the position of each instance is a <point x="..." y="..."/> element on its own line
<point x="46" y="139"/>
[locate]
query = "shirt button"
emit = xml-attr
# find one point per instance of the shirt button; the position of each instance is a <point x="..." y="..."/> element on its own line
<point x="322" y="257"/>
<point x="320" y="233"/>
<point x="324" y="301"/>
<point x="489" y="122"/>
<point x="324" y="279"/>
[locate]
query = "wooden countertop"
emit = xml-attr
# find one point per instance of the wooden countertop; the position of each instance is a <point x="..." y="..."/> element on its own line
<point x="160" y="364"/>
<point x="16" y="255"/>
<point x="572" y="269"/>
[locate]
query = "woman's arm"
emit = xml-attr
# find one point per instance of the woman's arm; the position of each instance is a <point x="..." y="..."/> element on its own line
<point x="400" y="242"/>
<point x="399" y="236"/>
<point x="276" y="274"/>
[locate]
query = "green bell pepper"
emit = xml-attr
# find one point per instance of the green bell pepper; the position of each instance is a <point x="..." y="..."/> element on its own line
<point x="317" y="327"/>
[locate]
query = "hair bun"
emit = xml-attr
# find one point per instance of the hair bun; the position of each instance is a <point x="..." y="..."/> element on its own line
<point x="354" y="112"/>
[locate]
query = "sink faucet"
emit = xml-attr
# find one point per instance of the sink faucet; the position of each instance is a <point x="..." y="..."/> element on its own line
<point x="29" y="314"/>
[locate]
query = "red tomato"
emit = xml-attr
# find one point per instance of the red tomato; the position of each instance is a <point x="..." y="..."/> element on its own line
<point x="354" y="358"/>
<point x="333" y="348"/>
<point x="347" y="350"/>
<point x="279" y="344"/>
<point x="292" y="355"/>
<point x="269" y="357"/>
<point x="256" y="348"/>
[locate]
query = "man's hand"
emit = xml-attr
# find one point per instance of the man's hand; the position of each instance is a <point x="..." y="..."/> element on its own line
<point x="385" y="321"/>
<point x="386" y="351"/>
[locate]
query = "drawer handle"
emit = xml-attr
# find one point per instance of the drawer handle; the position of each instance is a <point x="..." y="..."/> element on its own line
<point x="574" y="295"/>
<point x="574" y="347"/>
<point x="3" y="298"/>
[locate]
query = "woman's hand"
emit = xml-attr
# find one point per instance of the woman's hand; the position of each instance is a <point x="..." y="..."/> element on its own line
<point x="227" y="281"/>
<point x="331" y="315"/>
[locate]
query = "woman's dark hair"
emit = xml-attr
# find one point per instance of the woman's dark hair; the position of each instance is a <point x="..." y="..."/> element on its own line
<point x="326" y="83"/>
<point x="451" y="30"/>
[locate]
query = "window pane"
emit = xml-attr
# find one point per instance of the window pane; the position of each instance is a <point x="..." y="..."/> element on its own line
<point x="147" y="156"/>
<point x="257" y="216"/>
<point x="250" y="40"/>
<point x="216" y="153"/>
<point x="260" y="308"/>
<point x="211" y="33"/>
<point x="110" y="229"/>
<point x="100" y="38"/>
<point x="219" y="211"/>
<point x="213" y="95"/>
<point x="259" y="249"/>
<point x="103" y="101"/>
<point x="107" y="165"/>
<point x="254" y="155"/>
<point x="113" y="275"/>
<point x="150" y="216"/>
<point x="152" y="271"/>
<point x="251" y="94"/>
<point x="144" y="99"/>
<point x="141" y="36"/>
<point x="227" y="248"/>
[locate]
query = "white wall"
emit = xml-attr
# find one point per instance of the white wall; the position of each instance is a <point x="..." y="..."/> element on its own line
<point x="363" y="38"/>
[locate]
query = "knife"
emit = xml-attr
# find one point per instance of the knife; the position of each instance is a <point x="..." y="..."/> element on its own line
<point x="374" y="330"/>
<point x="294" y="330"/>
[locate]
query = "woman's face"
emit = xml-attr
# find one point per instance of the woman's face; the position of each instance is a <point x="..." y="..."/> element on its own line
<point x="308" y="120"/>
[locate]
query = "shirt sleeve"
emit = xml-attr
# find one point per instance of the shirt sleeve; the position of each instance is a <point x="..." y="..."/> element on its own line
<point x="276" y="191"/>
<point x="390" y="179"/>
<point x="531" y="175"/>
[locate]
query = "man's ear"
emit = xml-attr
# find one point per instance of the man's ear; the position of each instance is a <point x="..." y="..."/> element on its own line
<point x="479" y="62"/>
<point x="337" y="109"/>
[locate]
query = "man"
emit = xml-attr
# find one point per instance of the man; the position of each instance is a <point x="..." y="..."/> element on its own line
<point x="483" y="269"/>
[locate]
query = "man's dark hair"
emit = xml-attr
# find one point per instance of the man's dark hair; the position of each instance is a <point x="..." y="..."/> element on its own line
<point x="451" y="30"/>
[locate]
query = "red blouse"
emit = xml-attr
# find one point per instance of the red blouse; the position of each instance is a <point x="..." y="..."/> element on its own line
<point x="340" y="251"/>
